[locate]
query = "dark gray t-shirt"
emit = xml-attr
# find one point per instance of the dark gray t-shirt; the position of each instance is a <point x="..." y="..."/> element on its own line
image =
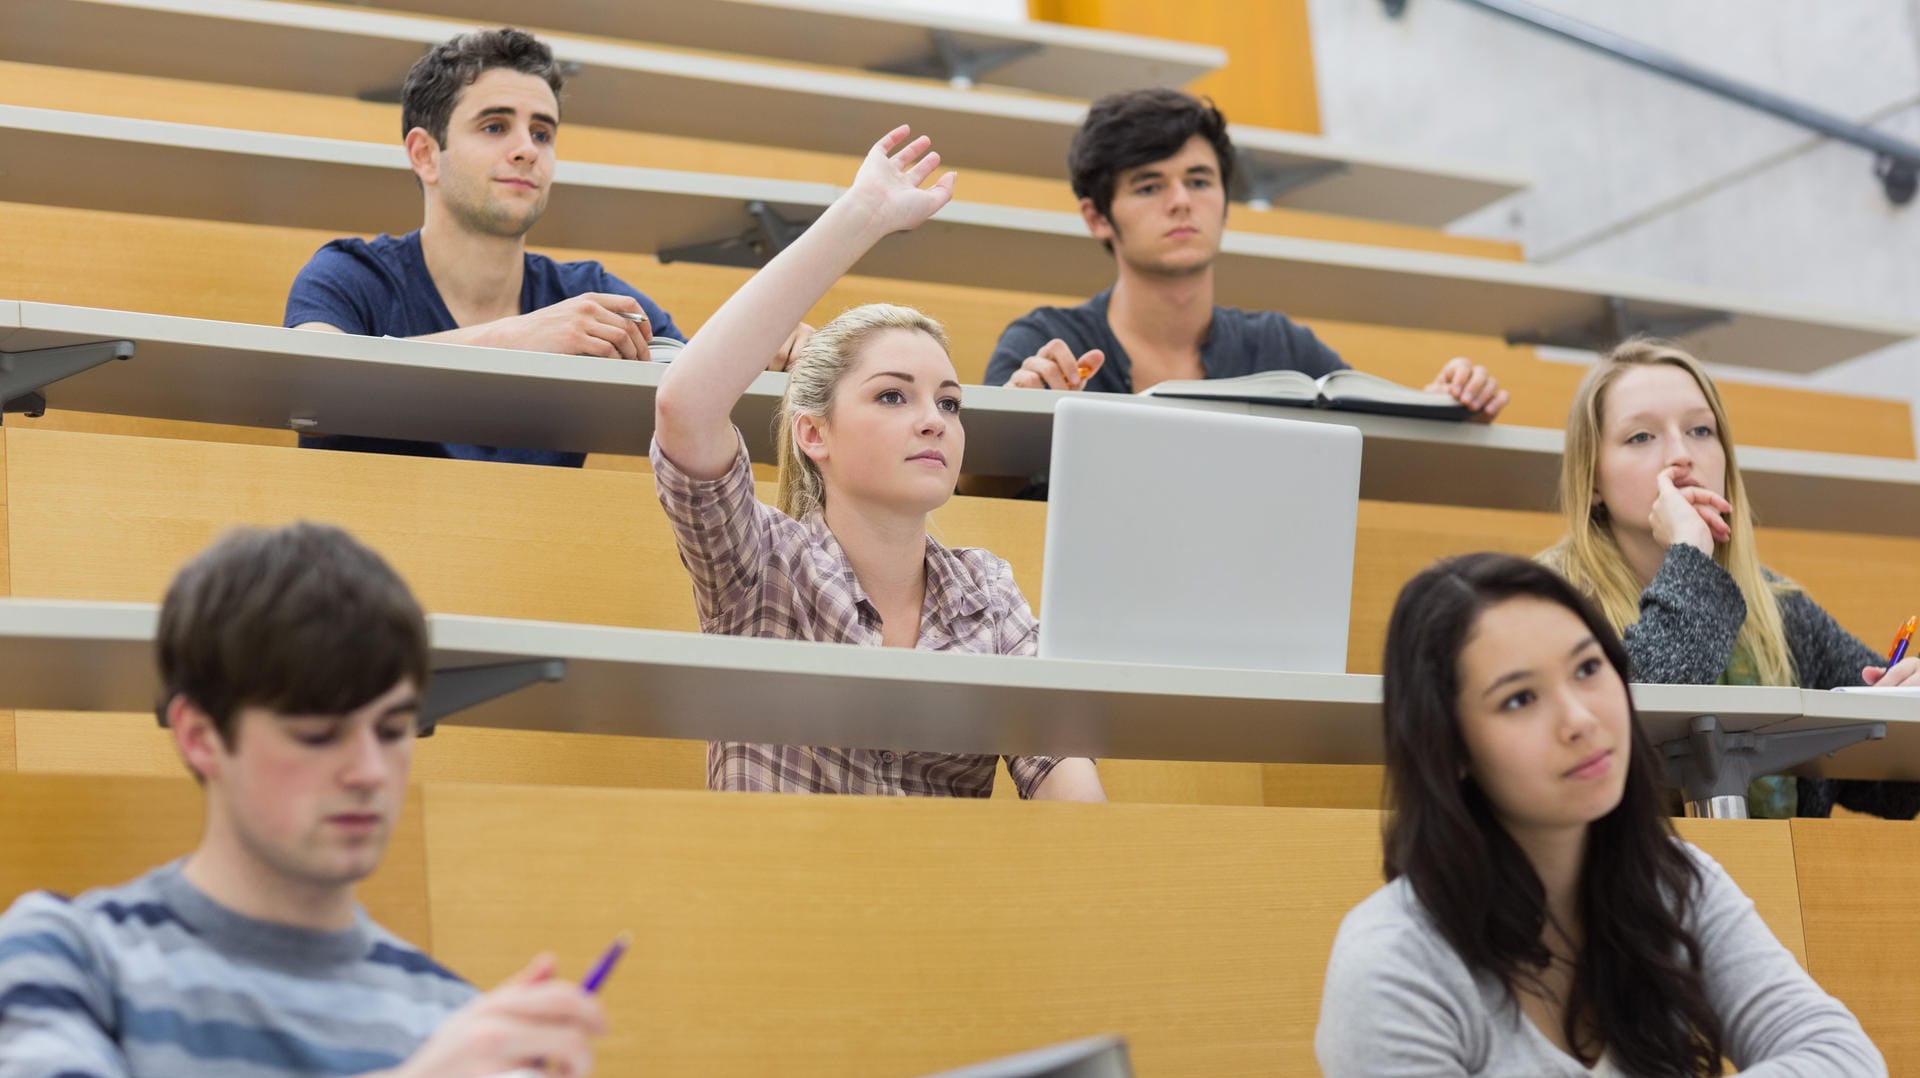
<point x="1238" y="342"/>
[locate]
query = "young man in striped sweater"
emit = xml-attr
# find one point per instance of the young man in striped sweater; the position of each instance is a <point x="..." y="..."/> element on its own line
<point x="292" y="662"/>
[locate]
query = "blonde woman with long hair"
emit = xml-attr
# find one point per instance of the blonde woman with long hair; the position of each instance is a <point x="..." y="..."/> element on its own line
<point x="1660" y="535"/>
<point x="870" y="442"/>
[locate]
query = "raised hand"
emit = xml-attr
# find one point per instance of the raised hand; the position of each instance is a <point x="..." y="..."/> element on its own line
<point x="1691" y="515"/>
<point x="888" y="187"/>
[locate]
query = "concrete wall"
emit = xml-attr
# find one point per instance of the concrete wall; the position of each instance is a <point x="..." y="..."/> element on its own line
<point x="1637" y="174"/>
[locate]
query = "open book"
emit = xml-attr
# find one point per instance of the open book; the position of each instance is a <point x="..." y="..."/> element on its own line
<point x="1347" y="390"/>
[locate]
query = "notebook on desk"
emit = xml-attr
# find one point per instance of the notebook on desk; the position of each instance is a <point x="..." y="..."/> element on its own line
<point x="1345" y="390"/>
<point x="1095" y="1057"/>
<point x="1197" y="538"/>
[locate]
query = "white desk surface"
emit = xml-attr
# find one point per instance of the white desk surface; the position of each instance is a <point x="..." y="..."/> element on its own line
<point x="76" y="656"/>
<point x="185" y="170"/>
<point x="348" y="52"/>
<point x="265" y="376"/>
<point x="1074" y="61"/>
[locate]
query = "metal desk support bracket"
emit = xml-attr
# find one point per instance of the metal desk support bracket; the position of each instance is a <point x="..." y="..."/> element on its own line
<point x="1615" y="324"/>
<point x="459" y="688"/>
<point x="24" y="374"/>
<point x="463" y="687"/>
<point x="769" y="234"/>
<point x="1259" y="186"/>
<point x="1712" y="767"/>
<point x="957" y="63"/>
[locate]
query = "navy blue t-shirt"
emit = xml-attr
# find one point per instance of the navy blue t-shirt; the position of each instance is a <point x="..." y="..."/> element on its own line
<point x="1238" y="342"/>
<point x="382" y="289"/>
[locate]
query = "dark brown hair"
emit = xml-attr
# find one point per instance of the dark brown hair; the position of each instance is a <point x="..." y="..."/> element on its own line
<point x="302" y="619"/>
<point x="1637" y="982"/>
<point x="1137" y="127"/>
<point x="434" y="83"/>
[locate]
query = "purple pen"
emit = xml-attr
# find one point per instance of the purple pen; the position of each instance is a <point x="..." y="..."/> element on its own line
<point x="598" y="974"/>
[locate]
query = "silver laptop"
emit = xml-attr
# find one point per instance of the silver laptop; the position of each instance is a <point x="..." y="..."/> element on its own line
<point x="1095" y="1057"/>
<point x="1198" y="538"/>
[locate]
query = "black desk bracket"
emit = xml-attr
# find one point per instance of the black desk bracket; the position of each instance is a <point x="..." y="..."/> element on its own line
<point x="1618" y="321"/>
<point x="961" y="65"/>
<point x="1260" y="186"/>
<point x="462" y="687"/>
<point x="24" y="374"/>
<point x="769" y="233"/>
<point x="1712" y="766"/>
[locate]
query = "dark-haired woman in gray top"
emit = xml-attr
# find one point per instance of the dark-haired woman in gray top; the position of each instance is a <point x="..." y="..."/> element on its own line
<point x="1541" y="919"/>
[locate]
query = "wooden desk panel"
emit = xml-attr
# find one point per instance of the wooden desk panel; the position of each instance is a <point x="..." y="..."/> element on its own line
<point x="103" y="743"/>
<point x="850" y="937"/>
<point x="286" y="112"/>
<point x="232" y="272"/>
<point x="1759" y="855"/>
<point x="990" y="926"/>
<point x="1192" y="930"/>
<point x="1858" y="879"/>
<point x="70" y="833"/>
<point x="6" y="588"/>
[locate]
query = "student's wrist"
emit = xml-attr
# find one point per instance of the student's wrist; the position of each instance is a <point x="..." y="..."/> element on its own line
<point x="855" y="215"/>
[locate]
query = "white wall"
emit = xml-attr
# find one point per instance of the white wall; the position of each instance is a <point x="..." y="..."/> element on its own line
<point x="1634" y="173"/>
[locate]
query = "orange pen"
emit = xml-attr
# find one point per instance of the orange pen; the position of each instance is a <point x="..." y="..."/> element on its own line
<point x="1900" y="641"/>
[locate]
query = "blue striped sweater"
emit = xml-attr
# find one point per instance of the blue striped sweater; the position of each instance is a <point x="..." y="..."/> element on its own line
<point x="154" y="979"/>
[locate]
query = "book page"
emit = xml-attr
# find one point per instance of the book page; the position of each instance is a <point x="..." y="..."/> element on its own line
<point x="1359" y="385"/>
<point x="1276" y="386"/>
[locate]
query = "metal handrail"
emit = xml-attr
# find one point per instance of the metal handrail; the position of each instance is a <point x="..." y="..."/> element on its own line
<point x="1896" y="162"/>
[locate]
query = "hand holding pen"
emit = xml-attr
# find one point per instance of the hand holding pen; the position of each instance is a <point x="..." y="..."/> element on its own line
<point x="1900" y="670"/>
<point x="532" y="1025"/>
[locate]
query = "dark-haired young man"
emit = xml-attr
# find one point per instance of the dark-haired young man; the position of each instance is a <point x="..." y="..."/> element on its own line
<point x="480" y="116"/>
<point x="1151" y="169"/>
<point x="292" y="663"/>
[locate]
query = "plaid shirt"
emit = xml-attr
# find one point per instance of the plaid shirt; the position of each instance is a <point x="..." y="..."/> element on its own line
<point x="758" y="572"/>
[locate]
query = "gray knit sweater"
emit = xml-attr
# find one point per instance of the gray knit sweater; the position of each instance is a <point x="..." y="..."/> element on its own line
<point x="1689" y="617"/>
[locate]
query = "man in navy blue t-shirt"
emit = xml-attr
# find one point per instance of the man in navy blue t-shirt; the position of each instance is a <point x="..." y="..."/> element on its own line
<point x="480" y="115"/>
<point x="1151" y="170"/>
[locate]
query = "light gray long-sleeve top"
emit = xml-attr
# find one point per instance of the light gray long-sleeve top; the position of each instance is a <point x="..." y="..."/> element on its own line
<point x="1399" y="1001"/>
